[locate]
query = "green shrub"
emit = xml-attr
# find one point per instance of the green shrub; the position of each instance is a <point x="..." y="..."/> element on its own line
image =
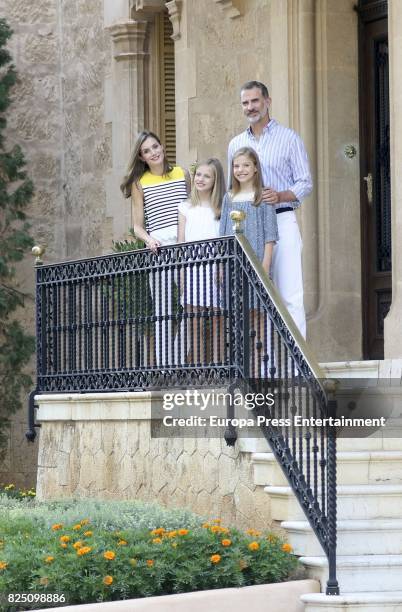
<point x="89" y="563"/>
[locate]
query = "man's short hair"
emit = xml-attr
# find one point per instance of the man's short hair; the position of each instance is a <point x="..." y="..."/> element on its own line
<point x="252" y="84"/>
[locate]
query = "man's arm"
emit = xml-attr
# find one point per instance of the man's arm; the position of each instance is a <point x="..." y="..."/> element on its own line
<point x="302" y="183"/>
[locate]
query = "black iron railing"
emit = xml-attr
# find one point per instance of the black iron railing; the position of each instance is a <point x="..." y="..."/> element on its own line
<point x="192" y="315"/>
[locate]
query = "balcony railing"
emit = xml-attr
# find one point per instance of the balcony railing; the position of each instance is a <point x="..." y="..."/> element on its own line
<point x="200" y="314"/>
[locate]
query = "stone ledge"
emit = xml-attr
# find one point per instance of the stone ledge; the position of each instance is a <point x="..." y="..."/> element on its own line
<point x="281" y="597"/>
<point x="123" y="406"/>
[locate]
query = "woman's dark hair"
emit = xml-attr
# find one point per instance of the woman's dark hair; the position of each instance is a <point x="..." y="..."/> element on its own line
<point x="137" y="167"/>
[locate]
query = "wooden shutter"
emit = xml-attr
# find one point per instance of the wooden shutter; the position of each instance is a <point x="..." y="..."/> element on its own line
<point x="167" y="89"/>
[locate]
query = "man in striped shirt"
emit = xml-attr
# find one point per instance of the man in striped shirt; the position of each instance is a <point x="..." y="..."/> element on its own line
<point x="287" y="181"/>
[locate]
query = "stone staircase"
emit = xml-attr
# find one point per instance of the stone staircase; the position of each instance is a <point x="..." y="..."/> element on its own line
<point x="369" y="526"/>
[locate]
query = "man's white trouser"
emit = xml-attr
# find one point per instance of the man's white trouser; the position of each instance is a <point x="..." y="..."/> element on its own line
<point x="287" y="268"/>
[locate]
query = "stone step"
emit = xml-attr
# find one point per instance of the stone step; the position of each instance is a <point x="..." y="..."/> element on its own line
<point x="368" y="537"/>
<point x="349" y="602"/>
<point x="354" y="502"/>
<point x="361" y="573"/>
<point x="360" y="467"/>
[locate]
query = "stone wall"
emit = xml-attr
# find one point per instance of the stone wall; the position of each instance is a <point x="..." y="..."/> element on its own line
<point x="61" y="53"/>
<point x="100" y="445"/>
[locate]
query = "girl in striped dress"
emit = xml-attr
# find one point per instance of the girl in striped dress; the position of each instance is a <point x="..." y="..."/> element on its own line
<point x="156" y="189"/>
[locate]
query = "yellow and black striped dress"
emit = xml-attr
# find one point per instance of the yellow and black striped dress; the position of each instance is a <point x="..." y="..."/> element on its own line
<point x="162" y="196"/>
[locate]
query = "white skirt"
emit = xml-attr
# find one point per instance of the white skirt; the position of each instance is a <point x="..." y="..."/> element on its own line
<point x="201" y="286"/>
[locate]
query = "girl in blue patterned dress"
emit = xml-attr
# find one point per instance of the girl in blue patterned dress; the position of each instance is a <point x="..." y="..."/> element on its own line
<point x="260" y="229"/>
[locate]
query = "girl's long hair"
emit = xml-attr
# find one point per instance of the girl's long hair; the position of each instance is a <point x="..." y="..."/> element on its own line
<point x="218" y="188"/>
<point x="257" y="181"/>
<point x="137" y="167"/>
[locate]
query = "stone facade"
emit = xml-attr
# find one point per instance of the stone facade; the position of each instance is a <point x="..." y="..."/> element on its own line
<point x="100" y="445"/>
<point x="89" y="66"/>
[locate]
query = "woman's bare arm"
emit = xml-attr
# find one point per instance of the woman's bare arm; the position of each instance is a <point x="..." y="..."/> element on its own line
<point x="137" y="201"/>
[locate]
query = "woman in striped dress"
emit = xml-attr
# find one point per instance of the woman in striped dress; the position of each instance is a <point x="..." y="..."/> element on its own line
<point x="156" y="189"/>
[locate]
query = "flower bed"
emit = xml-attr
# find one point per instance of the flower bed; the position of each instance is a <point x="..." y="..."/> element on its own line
<point x="89" y="563"/>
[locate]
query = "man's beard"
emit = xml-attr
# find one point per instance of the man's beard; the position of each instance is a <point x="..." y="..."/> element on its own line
<point x="256" y="118"/>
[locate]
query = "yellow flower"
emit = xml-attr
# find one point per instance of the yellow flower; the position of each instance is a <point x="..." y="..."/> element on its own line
<point x="254" y="546"/>
<point x="226" y="542"/>
<point x="49" y="559"/>
<point x="85" y="521"/>
<point x="287" y="548"/>
<point x="31" y="492"/>
<point x="65" y="538"/>
<point x="183" y="532"/>
<point x="109" y="554"/>
<point x="216" y="529"/>
<point x="217" y="521"/>
<point x="206" y="525"/>
<point x="9" y="487"/>
<point x="157" y="541"/>
<point x="215" y="558"/>
<point x="77" y="527"/>
<point x="171" y="534"/>
<point x="44" y="581"/>
<point x="78" y="545"/>
<point x="224" y="530"/>
<point x="57" y="526"/>
<point x="133" y="562"/>
<point x="107" y="580"/>
<point x="150" y="562"/>
<point x="122" y="543"/>
<point x="84" y="550"/>
<point x="174" y="545"/>
<point x="3" y="565"/>
<point x="88" y="534"/>
<point x="63" y="545"/>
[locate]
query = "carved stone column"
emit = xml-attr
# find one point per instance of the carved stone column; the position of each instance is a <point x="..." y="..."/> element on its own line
<point x="393" y="322"/>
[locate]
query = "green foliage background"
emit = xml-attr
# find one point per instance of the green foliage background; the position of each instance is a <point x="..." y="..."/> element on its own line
<point x="16" y="191"/>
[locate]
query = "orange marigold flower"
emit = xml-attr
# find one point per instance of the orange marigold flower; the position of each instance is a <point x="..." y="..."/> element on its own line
<point x="84" y="550"/>
<point x="183" y="532"/>
<point x="254" y="546"/>
<point x="157" y="541"/>
<point x="206" y="525"/>
<point x="224" y="530"/>
<point x="49" y="559"/>
<point x="3" y="565"/>
<point x="215" y="558"/>
<point x="63" y="545"/>
<point x="44" y="581"/>
<point x="158" y="532"/>
<point x="122" y="543"/>
<point x="109" y="554"/>
<point x="287" y="548"/>
<point x="57" y="526"/>
<point x="171" y="534"/>
<point x="253" y="532"/>
<point x="65" y="538"/>
<point x="77" y="527"/>
<point x="150" y="562"/>
<point x="88" y="534"/>
<point x="78" y="545"/>
<point x="216" y="529"/>
<point x="226" y="542"/>
<point x="107" y="580"/>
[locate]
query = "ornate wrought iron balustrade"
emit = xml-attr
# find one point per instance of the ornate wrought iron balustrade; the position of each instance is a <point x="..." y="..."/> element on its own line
<point x="192" y="315"/>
